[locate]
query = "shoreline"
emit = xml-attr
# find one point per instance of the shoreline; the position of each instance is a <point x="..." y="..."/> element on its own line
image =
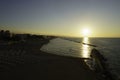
<point x="37" y="64"/>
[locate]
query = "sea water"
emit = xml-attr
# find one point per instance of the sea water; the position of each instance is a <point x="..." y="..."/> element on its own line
<point x="108" y="47"/>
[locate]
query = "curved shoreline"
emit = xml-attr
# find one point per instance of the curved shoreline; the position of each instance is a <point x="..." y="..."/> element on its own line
<point x="37" y="64"/>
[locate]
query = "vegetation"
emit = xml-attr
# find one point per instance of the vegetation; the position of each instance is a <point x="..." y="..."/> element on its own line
<point x="8" y="36"/>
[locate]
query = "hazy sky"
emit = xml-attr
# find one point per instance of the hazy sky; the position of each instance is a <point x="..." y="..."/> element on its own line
<point x="61" y="17"/>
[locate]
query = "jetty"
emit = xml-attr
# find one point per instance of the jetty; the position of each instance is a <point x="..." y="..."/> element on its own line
<point x="100" y="65"/>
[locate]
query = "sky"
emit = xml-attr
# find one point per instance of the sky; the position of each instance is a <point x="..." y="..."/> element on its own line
<point x="61" y="17"/>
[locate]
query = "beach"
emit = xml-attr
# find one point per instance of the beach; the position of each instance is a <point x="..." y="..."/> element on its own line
<point x="25" y="61"/>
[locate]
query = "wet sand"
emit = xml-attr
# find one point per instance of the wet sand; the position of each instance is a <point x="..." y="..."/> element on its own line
<point x="34" y="64"/>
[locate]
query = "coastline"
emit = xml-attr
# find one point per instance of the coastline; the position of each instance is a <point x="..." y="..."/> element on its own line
<point x="35" y="64"/>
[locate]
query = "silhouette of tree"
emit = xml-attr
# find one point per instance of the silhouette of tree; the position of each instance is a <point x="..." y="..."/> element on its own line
<point x="1" y="34"/>
<point x="7" y="35"/>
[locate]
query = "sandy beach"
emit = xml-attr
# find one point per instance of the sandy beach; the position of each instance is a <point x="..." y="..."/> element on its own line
<point x="25" y="61"/>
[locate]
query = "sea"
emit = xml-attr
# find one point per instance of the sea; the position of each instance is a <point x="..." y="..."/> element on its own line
<point x="81" y="48"/>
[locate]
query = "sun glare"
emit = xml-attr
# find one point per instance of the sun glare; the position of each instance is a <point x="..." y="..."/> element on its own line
<point x="86" y="32"/>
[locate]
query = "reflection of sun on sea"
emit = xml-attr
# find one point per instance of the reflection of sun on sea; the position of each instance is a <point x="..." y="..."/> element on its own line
<point x="85" y="48"/>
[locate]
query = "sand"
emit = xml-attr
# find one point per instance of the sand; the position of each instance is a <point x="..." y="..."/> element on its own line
<point x="34" y="64"/>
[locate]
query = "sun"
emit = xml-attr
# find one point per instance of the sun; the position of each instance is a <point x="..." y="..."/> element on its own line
<point x="86" y="32"/>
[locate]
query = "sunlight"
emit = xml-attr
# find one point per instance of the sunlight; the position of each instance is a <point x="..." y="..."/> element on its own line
<point x="86" y="32"/>
<point x="85" y="48"/>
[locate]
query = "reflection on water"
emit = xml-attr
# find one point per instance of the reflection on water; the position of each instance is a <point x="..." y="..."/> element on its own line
<point x="85" y="48"/>
<point x="62" y="47"/>
<point x="68" y="48"/>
